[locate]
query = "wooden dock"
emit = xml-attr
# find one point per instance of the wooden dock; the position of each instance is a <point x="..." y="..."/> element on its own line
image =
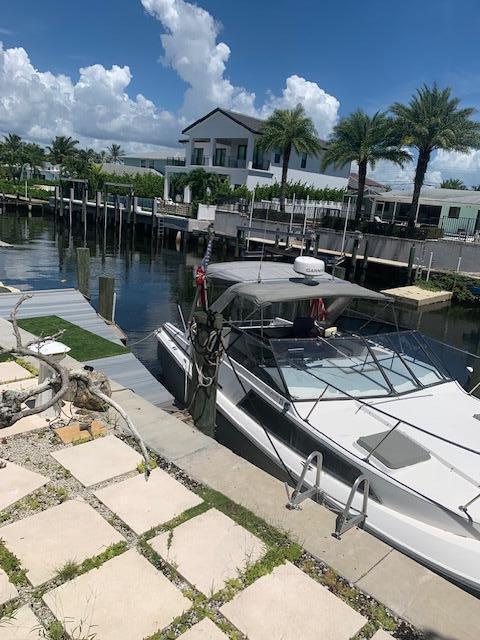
<point x="72" y="306"/>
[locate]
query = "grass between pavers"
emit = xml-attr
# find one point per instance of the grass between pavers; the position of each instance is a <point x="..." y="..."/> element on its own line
<point x="12" y="566"/>
<point x="84" y="345"/>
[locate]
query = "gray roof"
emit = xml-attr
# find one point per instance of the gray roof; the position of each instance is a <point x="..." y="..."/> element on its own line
<point x="254" y="125"/>
<point x="249" y="271"/>
<point x="126" y="169"/>
<point x="162" y="154"/>
<point x="261" y="294"/>
<point x="429" y="195"/>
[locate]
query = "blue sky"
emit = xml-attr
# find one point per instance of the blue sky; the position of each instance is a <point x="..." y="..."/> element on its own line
<point x="332" y="56"/>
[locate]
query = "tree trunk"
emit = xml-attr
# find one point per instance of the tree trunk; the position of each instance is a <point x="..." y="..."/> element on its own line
<point x="422" y="164"/>
<point x="362" y="174"/>
<point x="283" y="186"/>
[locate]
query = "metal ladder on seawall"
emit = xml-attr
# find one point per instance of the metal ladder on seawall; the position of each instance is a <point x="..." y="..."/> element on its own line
<point x="346" y="519"/>
<point x="160" y="226"/>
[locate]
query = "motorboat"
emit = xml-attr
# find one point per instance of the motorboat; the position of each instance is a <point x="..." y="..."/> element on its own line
<point x="374" y="419"/>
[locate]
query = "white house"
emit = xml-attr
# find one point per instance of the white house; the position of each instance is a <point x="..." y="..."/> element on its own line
<point x="225" y="143"/>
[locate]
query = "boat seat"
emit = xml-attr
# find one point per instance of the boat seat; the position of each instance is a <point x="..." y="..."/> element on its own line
<point x="396" y="451"/>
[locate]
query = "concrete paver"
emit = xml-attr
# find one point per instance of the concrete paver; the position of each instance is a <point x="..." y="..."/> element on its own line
<point x="423" y="598"/>
<point x="382" y="635"/>
<point x="44" y="542"/>
<point x="11" y="371"/>
<point x="165" y="434"/>
<point x="23" y="625"/>
<point x="143" y="504"/>
<point x="19" y="385"/>
<point x="288" y="604"/>
<point x="17" y="482"/>
<point x="204" y="630"/>
<point x="125" y="598"/>
<point x="30" y="423"/>
<point x="209" y="549"/>
<point x="98" y="460"/>
<point x="8" y="590"/>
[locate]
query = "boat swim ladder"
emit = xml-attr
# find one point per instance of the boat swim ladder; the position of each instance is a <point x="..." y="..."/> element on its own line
<point x="346" y="520"/>
<point x="298" y="495"/>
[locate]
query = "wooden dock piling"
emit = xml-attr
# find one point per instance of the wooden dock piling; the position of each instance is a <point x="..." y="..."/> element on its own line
<point x="106" y="299"/>
<point x="83" y="270"/>
<point x="410" y="271"/>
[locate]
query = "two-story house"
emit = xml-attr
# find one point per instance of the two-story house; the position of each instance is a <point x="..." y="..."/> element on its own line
<point x="226" y="143"/>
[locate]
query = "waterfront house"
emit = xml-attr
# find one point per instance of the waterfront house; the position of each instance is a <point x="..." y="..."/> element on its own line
<point x="226" y="143"/>
<point x="455" y="211"/>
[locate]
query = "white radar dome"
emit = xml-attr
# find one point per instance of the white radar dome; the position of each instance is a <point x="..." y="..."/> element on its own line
<point x="308" y="266"/>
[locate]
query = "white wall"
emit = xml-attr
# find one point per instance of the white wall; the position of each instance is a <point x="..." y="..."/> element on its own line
<point x="218" y="126"/>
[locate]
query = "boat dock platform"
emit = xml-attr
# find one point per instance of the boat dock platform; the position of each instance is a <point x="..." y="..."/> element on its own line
<point x="69" y="304"/>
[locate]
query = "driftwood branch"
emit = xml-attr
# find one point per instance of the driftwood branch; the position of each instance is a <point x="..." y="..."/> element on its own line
<point x="12" y="402"/>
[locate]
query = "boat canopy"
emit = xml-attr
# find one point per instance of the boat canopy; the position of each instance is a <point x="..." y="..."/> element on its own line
<point x="250" y="271"/>
<point x="262" y="294"/>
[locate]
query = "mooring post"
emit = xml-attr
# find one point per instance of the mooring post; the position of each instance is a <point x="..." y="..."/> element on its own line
<point x="353" y="266"/>
<point x="364" y="265"/>
<point x="105" y="208"/>
<point x="83" y="270"/>
<point x="55" y="200"/>
<point x="98" y="203"/>
<point x="106" y="297"/>
<point x="410" y="272"/>
<point x="84" y="203"/>
<point x="70" y="206"/>
<point x="277" y="238"/>
<point x="154" y="217"/>
<point x="317" y="243"/>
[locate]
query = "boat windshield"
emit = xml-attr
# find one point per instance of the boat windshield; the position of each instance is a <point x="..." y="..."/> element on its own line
<point x="355" y="366"/>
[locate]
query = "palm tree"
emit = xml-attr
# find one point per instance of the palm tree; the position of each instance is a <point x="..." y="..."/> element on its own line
<point x="366" y="140"/>
<point x="288" y="129"/>
<point x="34" y="156"/>
<point x="433" y="120"/>
<point x="115" y="153"/>
<point x="201" y="182"/>
<point x="12" y="154"/>
<point x="62" y="148"/>
<point x="453" y="183"/>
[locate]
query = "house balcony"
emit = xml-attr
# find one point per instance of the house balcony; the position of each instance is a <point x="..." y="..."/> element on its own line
<point x="261" y="164"/>
<point x="200" y="161"/>
<point x="175" y="162"/>
<point x="231" y="163"/>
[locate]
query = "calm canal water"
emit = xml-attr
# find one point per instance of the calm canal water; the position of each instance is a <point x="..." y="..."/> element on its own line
<point x="152" y="280"/>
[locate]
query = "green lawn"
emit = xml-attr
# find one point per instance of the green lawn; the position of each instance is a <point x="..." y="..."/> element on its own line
<point x="84" y="345"/>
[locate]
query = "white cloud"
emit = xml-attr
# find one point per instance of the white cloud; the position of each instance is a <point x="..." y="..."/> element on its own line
<point x="320" y="106"/>
<point x="191" y="48"/>
<point x="96" y="108"/>
<point x="451" y="164"/>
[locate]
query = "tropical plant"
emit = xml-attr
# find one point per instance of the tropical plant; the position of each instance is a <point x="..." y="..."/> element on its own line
<point x="433" y="120"/>
<point x="201" y="182"/>
<point x="288" y="129"/>
<point x="115" y="153"/>
<point x="62" y="148"/>
<point x="177" y="184"/>
<point x="453" y="183"/>
<point x="34" y="155"/>
<point x="366" y="140"/>
<point x="12" y="154"/>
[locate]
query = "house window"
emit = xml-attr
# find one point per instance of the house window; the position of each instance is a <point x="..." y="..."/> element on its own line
<point x="454" y="212"/>
<point x="276" y="157"/>
<point x="197" y="155"/>
<point x="242" y="152"/>
<point x="151" y="164"/>
<point x="303" y="162"/>
<point x="220" y="157"/>
<point x="143" y="163"/>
